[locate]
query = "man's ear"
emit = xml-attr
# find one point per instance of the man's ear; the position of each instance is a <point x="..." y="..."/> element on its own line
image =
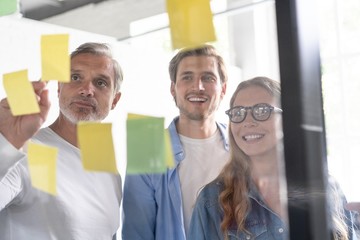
<point x="115" y="100"/>
<point x="172" y="88"/>
<point x="223" y="90"/>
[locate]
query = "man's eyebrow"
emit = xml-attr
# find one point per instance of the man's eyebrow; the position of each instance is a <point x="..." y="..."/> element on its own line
<point x="104" y="76"/>
<point x="208" y="72"/>
<point x="75" y="70"/>
<point x="186" y="73"/>
<point x="101" y="75"/>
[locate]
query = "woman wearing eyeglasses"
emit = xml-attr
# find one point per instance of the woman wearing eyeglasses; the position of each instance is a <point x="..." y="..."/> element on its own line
<point x="248" y="199"/>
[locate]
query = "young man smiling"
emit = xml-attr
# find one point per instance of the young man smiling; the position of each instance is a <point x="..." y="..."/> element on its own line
<point x="159" y="206"/>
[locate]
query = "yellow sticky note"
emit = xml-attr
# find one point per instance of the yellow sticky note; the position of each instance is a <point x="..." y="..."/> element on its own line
<point x="169" y="154"/>
<point x="96" y="146"/>
<point x="191" y="23"/>
<point x="55" y="59"/>
<point x="20" y="93"/>
<point x="42" y="166"/>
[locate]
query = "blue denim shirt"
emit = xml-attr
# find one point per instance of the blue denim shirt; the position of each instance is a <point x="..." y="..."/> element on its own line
<point x="152" y="203"/>
<point x="261" y="223"/>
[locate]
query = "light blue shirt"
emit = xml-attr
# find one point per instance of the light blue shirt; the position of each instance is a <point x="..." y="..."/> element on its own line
<point x="152" y="203"/>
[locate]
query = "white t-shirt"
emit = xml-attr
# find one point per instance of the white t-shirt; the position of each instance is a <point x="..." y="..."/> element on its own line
<point x="86" y="205"/>
<point x="204" y="159"/>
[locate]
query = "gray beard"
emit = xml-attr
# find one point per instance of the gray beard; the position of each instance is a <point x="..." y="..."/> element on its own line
<point x="75" y="118"/>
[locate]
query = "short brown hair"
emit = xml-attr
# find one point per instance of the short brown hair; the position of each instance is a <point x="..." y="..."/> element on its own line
<point x="205" y="50"/>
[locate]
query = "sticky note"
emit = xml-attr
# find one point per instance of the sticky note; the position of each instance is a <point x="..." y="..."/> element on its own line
<point x="42" y="166"/>
<point x="8" y="7"/>
<point x="96" y="146"/>
<point x="55" y="58"/>
<point x="20" y="93"/>
<point x="169" y="154"/>
<point x="147" y="145"/>
<point x="191" y="23"/>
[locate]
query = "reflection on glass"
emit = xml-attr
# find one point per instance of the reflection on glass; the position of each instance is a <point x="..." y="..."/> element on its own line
<point x="340" y="57"/>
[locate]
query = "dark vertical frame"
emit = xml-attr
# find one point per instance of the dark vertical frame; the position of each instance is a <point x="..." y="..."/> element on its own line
<point x="303" y="119"/>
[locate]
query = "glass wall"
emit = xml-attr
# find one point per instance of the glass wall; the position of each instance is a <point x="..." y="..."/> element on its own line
<point x="246" y="32"/>
<point x="340" y="55"/>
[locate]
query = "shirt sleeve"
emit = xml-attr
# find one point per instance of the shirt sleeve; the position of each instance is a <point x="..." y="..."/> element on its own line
<point x="139" y="208"/>
<point x="12" y="173"/>
<point x="9" y="156"/>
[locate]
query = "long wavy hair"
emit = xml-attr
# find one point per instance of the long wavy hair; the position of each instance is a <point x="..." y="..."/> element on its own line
<point x="236" y="177"/>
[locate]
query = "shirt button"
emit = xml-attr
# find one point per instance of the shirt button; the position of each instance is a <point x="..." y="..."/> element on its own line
<point x="248" y="237"/>
<point x="281" y="230"/>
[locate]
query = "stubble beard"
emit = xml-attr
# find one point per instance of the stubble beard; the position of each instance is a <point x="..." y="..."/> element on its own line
<point x="197" y="115"/>
<point x="80" y="114"/>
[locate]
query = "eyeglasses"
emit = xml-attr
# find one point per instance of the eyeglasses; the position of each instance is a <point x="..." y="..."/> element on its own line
<point x="260" y="112"/>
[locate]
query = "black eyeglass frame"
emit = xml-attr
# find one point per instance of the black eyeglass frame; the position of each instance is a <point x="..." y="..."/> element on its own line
<point x="271" y="110"/>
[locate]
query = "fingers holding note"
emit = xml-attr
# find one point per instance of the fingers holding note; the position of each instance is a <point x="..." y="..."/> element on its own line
<point x="24" y="110"/>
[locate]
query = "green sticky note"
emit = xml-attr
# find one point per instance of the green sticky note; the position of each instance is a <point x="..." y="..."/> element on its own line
<point x="42" y="167"/>
<point x="145" y="144"/>
<point x="96" y="146"/>
<point x="55" y="59"/>
<point x="191" y="23"/>
<point x="20" y="93"/>
<point x="8" y="7"/>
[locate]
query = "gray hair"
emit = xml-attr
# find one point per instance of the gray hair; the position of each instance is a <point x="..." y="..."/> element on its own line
<point x="102" y="49"/>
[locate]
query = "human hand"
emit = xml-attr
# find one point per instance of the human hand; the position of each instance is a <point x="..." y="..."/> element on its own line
<point x="18" y="129"/>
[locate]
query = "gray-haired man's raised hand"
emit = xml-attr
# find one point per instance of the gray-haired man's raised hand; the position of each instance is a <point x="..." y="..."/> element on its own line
<point x="18" y="129"/>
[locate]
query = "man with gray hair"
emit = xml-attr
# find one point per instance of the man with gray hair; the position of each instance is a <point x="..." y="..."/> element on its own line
<point x="87" y="203"/>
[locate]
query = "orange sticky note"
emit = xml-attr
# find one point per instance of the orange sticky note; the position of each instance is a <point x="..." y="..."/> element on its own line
<point x="20" y="93"/>
<point x="191" y="23"/>
<point x="55" y="59"/>
<point x="42" y="166"/>
<point x="96" y="146"/>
